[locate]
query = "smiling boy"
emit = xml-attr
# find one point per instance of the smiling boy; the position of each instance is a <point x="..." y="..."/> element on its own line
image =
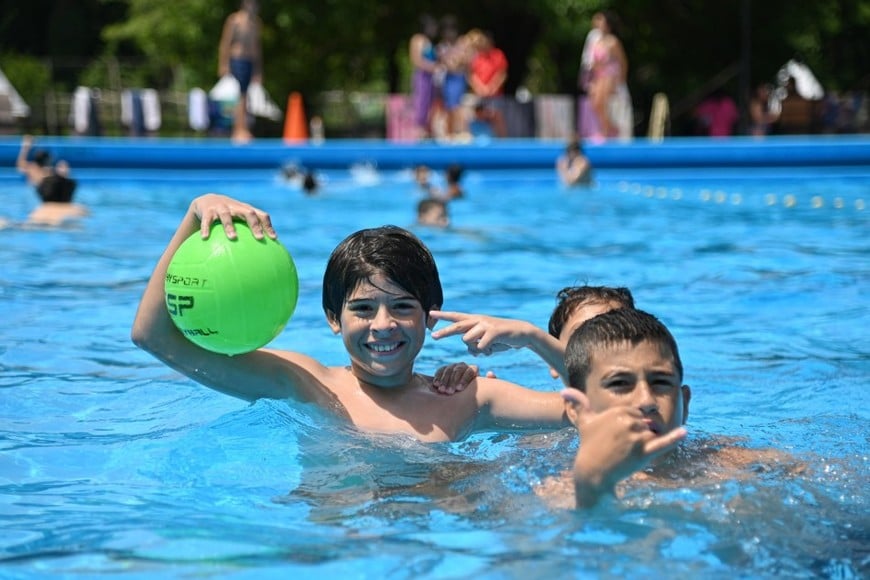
<point x="378" y="288"/>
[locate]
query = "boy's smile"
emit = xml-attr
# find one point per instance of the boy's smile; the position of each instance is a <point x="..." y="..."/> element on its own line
<point x="383" y="328"/>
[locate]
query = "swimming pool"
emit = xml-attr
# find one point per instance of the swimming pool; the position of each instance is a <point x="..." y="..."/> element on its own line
<point x="115" y="466"/>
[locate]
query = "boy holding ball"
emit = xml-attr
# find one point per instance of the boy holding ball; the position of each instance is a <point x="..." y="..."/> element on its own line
<point x="378" y="289"/>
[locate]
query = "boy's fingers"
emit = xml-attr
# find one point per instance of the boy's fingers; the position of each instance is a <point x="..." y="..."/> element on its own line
<point x="445" y="315"/>
<point x="664" y="443"/>
<point x="580" y="402"/>
<point x="468" y="376"/>
<point x="451" y="330"/>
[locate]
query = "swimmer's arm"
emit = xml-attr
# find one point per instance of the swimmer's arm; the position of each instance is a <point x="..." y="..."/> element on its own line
<point x="505" y="405"/>
<point x="261" y="374"/>
<point x="485" y="335"/>
<point x="21" y="162"/>
<point x="30" y="170"/>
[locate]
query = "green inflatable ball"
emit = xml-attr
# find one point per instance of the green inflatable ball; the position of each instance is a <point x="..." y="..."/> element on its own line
<point x="231" y="296"/>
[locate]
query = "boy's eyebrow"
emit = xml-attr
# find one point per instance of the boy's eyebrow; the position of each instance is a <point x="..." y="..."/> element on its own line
<point x="392" y="296"/>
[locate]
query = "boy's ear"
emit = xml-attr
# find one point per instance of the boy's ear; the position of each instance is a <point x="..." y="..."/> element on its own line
<point x="687" y="396"/>
<point x="554" y="373"/>
<point x="431" y="322"/>
<point x="576" y="405"/>
<point x="334" y="324"/>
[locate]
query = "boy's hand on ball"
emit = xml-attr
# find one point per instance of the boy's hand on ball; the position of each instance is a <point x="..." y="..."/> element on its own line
<point x="213" y="207"/>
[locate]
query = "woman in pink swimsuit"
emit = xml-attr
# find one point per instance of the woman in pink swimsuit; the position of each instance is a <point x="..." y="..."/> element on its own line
<point x="607" y="85"/>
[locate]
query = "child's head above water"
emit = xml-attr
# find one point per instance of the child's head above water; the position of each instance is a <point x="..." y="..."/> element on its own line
<point x="627" y="357"/>
<point x="619" y="328"/>
<point x="391" y="251"/>
<point x="577" y="304"/>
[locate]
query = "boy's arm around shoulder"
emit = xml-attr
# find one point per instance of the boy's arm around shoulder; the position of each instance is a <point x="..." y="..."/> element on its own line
<point x="260" y="374"/>
<point x="505" y="405"/>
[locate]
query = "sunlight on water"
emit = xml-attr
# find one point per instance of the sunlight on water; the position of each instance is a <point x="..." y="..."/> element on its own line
<point x="112" y="464"/>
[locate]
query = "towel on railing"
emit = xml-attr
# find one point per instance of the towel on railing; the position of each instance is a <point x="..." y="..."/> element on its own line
<point x="80" y="112"/>
<point x="197" y="109"/>
<point x="151" y="117"/>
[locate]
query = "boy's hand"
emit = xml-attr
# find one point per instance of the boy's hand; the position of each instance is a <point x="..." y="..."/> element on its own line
<point x="483" y="334"/>
<point x="614" y="444"/>
<point x="213" y="207"/>
<point x="453" y="378"/>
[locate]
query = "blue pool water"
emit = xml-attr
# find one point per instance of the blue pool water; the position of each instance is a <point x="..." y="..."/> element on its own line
<point x="112" y="465"/>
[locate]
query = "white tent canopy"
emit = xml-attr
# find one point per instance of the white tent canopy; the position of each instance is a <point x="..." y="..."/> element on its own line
<point x="17" y="107"/>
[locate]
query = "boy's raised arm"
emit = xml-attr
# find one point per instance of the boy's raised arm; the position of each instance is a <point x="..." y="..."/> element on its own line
<point x="506" y="405"/>
<point x="260" y="374"/>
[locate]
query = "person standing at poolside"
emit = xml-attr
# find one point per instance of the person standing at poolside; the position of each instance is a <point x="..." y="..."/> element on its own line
<point x="378" y="289"/>
<point x="454" y="54"/>
<point x="761" y="116"/>
<point x="487" y="76"/>
<point x="53" y="184"/>
<point x="424" y="61"/>
<point x="240" y="54"/>
<point x="608" y="88"/>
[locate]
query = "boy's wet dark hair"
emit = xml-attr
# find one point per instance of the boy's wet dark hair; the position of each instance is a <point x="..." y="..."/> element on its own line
<point x="41" y="157"/>
<point x="309" y="183"/>
<point x="453" y="173"/>
<point x="389" y="250"/>
<point x="572" y="297"/>
<point x="612" y="329"/>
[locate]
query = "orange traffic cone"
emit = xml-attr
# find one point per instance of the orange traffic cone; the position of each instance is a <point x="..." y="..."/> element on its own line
<point x="295" y="126"/>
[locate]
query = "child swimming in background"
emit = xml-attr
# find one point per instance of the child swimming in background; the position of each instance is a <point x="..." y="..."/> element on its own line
<point x="432" y="212"/>
<point x="53" y="184"/>
<point x="378" y="289"/>
<point x="302" y="178"/>
<point x="574" y="167"/>
<point x="485" y="335"/>
<point x="627" y="399"/>
<point x="452" y="182"/>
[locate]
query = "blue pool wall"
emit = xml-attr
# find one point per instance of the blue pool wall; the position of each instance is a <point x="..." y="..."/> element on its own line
<point x="831" y="155"/>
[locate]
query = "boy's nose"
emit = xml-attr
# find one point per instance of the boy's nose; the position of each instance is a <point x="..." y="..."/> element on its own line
<point x="383" y="320"/>
<point x="645" y="400"/>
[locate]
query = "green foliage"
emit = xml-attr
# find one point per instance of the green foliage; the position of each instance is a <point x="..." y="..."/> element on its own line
<point x="172" y="34"/>
<point x="28" y="75"/>
<point x="673" y="46"/>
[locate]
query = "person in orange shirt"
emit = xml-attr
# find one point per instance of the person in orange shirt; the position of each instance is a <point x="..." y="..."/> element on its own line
<point x="487" y="75"/>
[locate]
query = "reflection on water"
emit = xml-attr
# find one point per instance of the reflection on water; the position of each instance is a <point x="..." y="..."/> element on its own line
<point x="114" y="464"/>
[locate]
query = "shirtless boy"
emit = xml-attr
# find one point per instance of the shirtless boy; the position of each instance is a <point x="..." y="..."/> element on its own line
<point x="627" y="400"/>
<point x="240" y="54"/>
<point x="378" y="288"/>
<point x="53" y="184"/>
